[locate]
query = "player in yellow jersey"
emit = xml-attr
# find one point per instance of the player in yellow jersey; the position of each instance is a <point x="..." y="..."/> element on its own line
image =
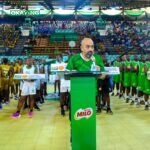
<point x="5" y="80"/>
<point x="11" y="80"/>
<point x="0" y="87"/>
<point x="18" y="66"/>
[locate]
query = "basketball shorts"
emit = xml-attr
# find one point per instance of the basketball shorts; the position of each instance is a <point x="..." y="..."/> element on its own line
<point x="64" y="85"/>
<point x="28" y="88"/>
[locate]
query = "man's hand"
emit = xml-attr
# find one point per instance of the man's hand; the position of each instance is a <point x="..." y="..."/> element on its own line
<point x="103" y="76"/>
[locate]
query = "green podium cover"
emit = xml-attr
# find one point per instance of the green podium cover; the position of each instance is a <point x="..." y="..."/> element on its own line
<point x="83" y="111"/>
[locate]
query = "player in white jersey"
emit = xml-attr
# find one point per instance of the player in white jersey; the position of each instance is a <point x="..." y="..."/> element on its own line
<point x="28" y="89"/>
<point x="38" y="86"/>
<point x="43" y="70"/>
<point x="46" y="71"/>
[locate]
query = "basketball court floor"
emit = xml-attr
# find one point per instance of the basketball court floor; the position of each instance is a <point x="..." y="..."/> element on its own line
<point x="127" y="129"/>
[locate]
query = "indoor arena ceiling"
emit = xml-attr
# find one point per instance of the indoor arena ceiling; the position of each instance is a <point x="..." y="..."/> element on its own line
<point x="78" y="4"/>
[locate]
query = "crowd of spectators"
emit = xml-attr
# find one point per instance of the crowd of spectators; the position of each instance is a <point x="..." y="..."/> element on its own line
<point x="127" y="35"/>
<point x="49" y="27"/>
<point x="9" y="35"/>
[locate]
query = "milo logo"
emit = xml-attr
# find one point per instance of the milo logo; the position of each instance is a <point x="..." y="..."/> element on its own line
<point x="24" y="76"/>
<point x="83" y="113"/>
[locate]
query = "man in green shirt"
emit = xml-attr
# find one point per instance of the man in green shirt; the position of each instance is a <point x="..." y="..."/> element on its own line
<point x="87" y="58"/>
<point x="86" y="61"/>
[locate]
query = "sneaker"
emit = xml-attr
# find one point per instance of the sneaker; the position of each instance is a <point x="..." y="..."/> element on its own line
<point x="16" y="115"/>
<point x="127" y="100"/>
<point x="98" y="110"/>
<point x="138" y="104"/>
<point x="136" y="99"/>
<point x="1" y="106"/>
<point x="37" y="107"/>
<point x="42" y="100"/>
<point x="117" y="94"/>
<point x="45" y="94"/>
<point x="62" y="112"/>
<point x="30" y="114"/>
<point x="121" y="96"/>
<point x="142" y="102"/>
<point x="11" y="97"/>
<point x="146" y="107"/>
<point x="112" y="94"/>
<point x="132" y="103"/>
<point x="104" y="107"/>
<point x="109" y="111"/>
<point x="25" y="106"/>
<point x="16" y="98"/>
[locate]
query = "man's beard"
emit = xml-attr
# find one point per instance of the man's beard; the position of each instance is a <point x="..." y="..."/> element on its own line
<point x="89" y="54"/>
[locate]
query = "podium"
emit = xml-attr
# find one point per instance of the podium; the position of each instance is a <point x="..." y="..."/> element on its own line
<point x="83" y="110"/>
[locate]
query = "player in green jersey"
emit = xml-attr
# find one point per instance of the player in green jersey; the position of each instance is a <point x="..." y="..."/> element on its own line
<point x="117" y="78"/>
<point x="141" y="78"/>
<point x="122" y="88"/>
<point x="147" y="83"/>
<point x="134" y="75"/>
<point x="127" y="77"/>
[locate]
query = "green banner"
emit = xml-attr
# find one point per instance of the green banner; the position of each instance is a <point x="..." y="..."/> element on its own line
<point x="111" y="12"/>
<point x="88" y="12"/>
<point x="27" y="12"/>
<point x="24" y="12"/>
<point x="134" y="13"/>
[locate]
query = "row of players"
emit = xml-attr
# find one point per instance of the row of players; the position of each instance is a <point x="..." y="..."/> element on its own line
<point x="34" y="90"/>
<point x="133" y="79"/>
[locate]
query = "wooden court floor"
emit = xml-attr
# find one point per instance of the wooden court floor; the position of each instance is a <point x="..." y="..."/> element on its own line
<point x="127" y="129"/>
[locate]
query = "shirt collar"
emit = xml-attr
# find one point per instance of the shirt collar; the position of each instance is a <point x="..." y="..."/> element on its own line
<point x="83" y="57"/>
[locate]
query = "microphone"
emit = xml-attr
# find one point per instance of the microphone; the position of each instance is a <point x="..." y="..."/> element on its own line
<point x="93" y="58"/>
<point x="93" y="67"/>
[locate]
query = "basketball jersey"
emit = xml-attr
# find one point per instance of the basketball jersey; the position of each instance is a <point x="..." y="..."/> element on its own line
<point x="141" y="76"/>
<point x="127" y="74"/>
<point x="41" y="68"/>
<point x="38" y="68"/>
<point x="116" y="78"/>
<point x="5" y="70"/>
<point x="15" y="68"/>
<point x="19" y="67"/>
<point x="147" y="82"/>
<point x="134" y="78"/>
<point x="27" y="70"/>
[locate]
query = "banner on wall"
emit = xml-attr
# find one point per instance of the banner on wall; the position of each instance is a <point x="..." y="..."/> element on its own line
<point x="88" y="12"/>
<point x="111" y="12"/>
<point x="26" y="12"/>
<point x="134" y="13"/>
